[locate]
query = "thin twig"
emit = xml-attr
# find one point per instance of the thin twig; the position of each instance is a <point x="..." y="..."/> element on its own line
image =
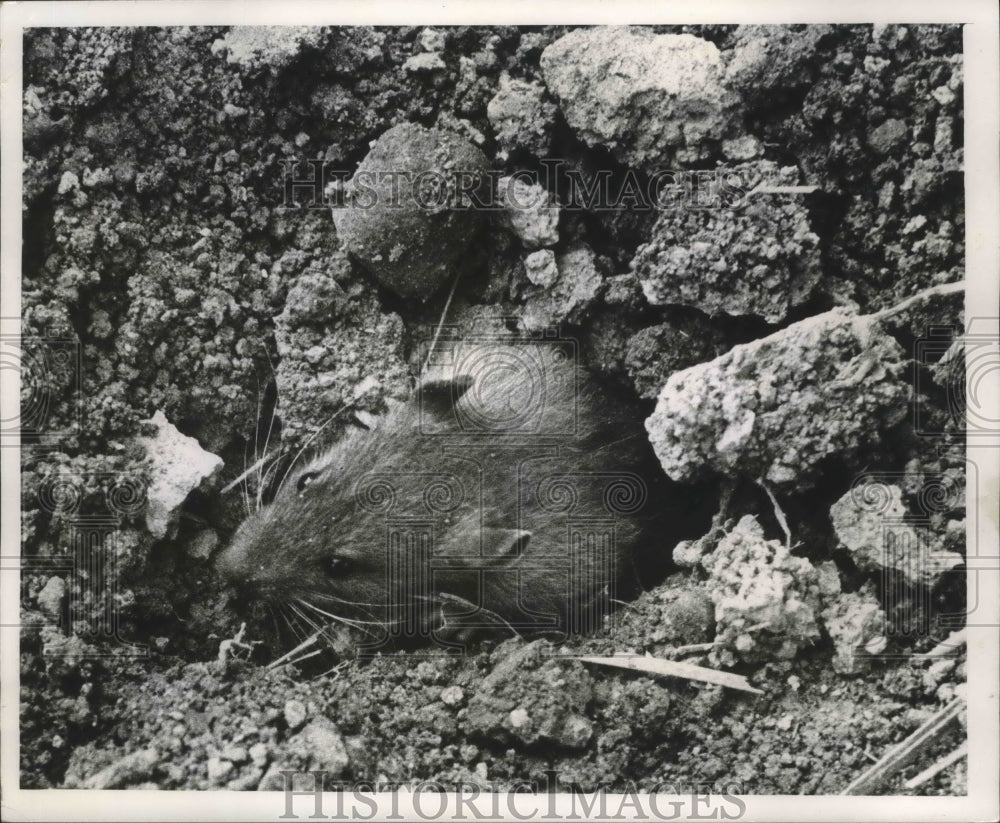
<point x="941" y="765"/>
<point x="333" y="670"/>
<point x="765" y="189"/>
<point x="296" y="661"/>
<point x="946" y="647"/>
<point x="707" y="647"/>
<point x="934" y="291"/>
<point x="671" y="668"/>
<point x="236" y="642"/>
<point x="305" y="644"/>
<point x="440" y="325"/>
<point x="230" y="486"/>
<point x="692" y="648"/>
<point x="902" y="754"/>
<point x="778" y="514"/>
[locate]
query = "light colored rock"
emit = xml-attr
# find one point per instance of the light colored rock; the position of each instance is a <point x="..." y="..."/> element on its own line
<point x="218" y="770"/>
<point x="431" y="39"/>
<point x="529" y="211"/>
<point x="295" y="713"/>
<point x="259" y="754"/>
<point x="252" y="47"/>
<point x="235" y="753"/>
<point x="754" y="582"/>
<point x="641" y="95"/>
<point x="871" y="522"/>
<point x="68" y="182"/>
<point x="452" y="695"/>
<point x="853" y="620"/>
<point x="944" y="95"/>
<point x="50" y="598"/>
<point x="97" y="178"/>
<point x="179" y="466"/>
<point x="687" y="554"/>
<point x="319" y="745"/>
<point x="576" y="731"/>
<point x="324" y="746"/>
<point x="126" y="771"/>
<point x="742" y="148"/>
<point x="521" y="117"/>
<point x="777" y="407"/>
<point x="424" y="63"/>
<point x="518" y="718"/>
<point x="566" y="299"/>
<point x="540" y="267"/>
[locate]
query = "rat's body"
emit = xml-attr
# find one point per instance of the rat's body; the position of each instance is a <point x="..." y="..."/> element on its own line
<point x="506" y="491"/>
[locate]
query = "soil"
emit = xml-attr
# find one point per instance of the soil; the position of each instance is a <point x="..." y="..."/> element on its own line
<point x="165" y="249"/>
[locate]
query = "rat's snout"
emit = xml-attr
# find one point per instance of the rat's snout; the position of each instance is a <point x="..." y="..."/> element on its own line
<point x="228" y="562"/>
<point x="246" y="563"/>
<point x="233" y="562"/>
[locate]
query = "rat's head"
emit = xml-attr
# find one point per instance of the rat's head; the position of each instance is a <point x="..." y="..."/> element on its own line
<point x="321" y="543"/>
<point x="349" y="534"/>
<point x="311" y="545"/>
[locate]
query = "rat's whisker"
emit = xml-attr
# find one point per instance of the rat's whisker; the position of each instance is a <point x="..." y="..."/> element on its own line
<point x="256" y="440"/>
<point x="333" y="598"/>
<point x="243" y="485"/>
<point x="348" y="621"/>
<point x="287" y="621"/>
<point x="305" y="617"/>
<point x="274" y="621"/>
<point x="361" y="626"/>
<point x="261" y="472"/>
<point x="267" y="479"/>
<point x="366" y="607"/>
<point x="440" y="325"/>
<point x="454" y="598"/>
<point x="293" y="622"/>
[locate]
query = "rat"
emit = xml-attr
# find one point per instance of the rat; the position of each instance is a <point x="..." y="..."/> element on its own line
<point x="512" y="490"/>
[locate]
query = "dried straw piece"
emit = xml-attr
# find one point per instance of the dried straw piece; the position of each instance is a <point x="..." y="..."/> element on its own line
<point x="945" y="648"/>
<point x="671" y="668"/>
<point x="902" y="754"/>
<point x="942" y="764"/>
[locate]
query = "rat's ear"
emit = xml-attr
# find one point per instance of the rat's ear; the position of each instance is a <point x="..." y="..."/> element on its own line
<point x="440" y="396"/>
<point x="462" y="545"/>
<point x="505" y="542"/>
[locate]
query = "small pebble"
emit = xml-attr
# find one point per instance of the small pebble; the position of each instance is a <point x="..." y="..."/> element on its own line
<point x="258" y="754"/>
<point x="943" y="95"/>
<point x="540" y="266"/>
<point x="51" y="596"/>
<point x="518" y="718"/>
<point x="237" y="754"/>
<point x="431" y="40"/>
<point x="295" y="713"/>
<point x="427" y="62"/>
<point x="218" y="769"/>
<point x="452" y="695"/>
<point x="68" y="182"/>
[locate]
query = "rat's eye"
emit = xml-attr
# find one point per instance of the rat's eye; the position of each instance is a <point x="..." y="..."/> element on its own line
<point x="338" y="565"/>
<point x="305" y="480"/>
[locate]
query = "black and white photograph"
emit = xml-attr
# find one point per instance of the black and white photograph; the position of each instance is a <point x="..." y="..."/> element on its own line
<point x="449" y="412"/>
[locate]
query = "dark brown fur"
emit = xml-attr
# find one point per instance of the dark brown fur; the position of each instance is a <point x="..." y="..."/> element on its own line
<point x="457" y="512"/>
